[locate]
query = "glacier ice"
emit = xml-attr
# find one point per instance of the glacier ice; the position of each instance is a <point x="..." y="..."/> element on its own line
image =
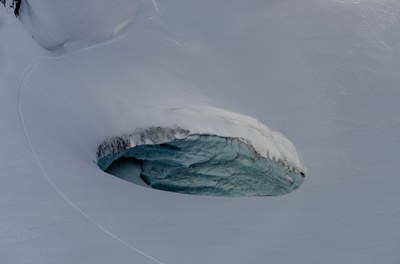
<point x="198" y="164"/>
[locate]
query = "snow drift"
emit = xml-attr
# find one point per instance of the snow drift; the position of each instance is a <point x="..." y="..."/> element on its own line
<point x="53" y="24"/>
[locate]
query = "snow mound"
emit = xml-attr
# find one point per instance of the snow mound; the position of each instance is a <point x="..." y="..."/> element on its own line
<point x="53" y="23"/>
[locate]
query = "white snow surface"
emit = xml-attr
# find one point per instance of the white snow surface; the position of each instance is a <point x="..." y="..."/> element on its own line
<point x="214" y="121"/>
<point x="324" y="73"/>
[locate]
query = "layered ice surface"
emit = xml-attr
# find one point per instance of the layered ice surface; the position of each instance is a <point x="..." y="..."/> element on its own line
<point x="202" y="164"/>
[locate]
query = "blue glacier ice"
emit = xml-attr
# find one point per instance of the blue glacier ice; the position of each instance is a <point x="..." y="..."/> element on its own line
<point x="204" y="165"/>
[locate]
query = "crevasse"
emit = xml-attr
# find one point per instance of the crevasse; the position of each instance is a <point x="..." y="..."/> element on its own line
<point x="202" y="164"/>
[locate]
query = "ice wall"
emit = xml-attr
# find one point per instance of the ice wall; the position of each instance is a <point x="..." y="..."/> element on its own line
<point x="175" y="160"/>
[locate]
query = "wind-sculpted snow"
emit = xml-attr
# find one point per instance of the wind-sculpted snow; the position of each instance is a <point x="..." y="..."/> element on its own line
<point x="55" y="23"/>
<point x="174" y="160"/>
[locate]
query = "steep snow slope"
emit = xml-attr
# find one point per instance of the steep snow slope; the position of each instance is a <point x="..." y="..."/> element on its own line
<point x="325" y="73"/>
<point x="53" y="24"/>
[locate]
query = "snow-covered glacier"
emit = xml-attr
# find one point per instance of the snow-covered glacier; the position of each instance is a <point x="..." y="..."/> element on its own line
<point x="76" y="74"/>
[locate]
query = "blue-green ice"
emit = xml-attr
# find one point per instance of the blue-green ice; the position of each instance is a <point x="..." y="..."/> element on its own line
<point x="207" y="165"/>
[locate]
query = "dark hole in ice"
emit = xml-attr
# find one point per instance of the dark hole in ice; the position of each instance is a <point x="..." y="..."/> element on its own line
<point x="203" y="165"/>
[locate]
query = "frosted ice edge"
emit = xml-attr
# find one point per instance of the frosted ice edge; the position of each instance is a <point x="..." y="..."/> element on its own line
<point x="174" y="160"/>
<point x="158" y="135"/>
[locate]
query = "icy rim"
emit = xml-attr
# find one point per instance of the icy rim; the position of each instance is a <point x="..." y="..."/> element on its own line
<point x="115" y="146"/>
<point x="175" y="160"/>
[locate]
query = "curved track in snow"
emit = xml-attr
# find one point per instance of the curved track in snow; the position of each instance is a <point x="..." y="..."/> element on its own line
<point x="26" y="73"/>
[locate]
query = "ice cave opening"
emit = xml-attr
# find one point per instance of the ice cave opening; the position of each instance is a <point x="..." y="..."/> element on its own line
<point x="201" y="164"/>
